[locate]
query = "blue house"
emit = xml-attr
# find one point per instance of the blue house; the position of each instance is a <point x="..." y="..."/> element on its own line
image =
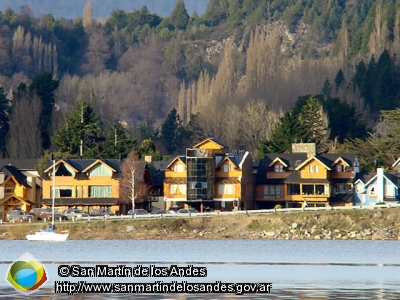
<point x="373" y="188"/>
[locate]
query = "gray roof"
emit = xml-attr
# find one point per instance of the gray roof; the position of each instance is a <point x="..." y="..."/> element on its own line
<point x="21" y="164"/>
<point x="293" y="160"/>
<point x="157" y="175"/>
<point x="17" y="174"/>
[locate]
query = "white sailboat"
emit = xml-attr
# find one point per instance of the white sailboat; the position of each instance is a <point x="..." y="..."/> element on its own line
<point x="48" y="234"/>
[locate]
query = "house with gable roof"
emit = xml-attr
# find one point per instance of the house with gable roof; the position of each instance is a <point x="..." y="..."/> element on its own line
<point x="19" y="189"/>
<point x="376" y="187"/>
<point x="304" y="178"/>
<point x="209" y="177"/>
<point x="90" y="184"/>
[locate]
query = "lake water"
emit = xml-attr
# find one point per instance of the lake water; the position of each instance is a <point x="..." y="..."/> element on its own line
<point x="323" y="269"/>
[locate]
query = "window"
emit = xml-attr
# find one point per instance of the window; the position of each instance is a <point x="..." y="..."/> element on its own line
<point x="178" y="168"/>
<point x="371" y="191"/>
<point x="226" y="168"/>
<point x="313" y="169"/>
<point x="9" y="190"/>
<point x="63" y="170"/>
<point x="227" y="189"/>
<point x="340" y="168"/>
<point x="77" y="193"/>
<point x="177" y="189"/>
<point x="100" y="191"/>
<point x="278" y="168"/>
<point x="62" y="191"/>
<point x="342" y="188"/>
<point x="272" y="191"/>
<point x="100" y="170"/>
<point x="293" y="189"/>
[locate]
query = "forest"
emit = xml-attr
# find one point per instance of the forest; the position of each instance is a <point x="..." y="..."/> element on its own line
<point x="257" y="75"/>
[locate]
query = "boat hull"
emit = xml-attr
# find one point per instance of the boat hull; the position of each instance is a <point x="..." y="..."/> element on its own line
<point x="47" y="237"/>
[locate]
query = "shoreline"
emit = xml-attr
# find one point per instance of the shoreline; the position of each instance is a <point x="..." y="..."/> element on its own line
<point x="375" y="224"/>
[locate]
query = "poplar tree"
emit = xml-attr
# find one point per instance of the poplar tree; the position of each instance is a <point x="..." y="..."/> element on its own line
<point x="4" y="120"/>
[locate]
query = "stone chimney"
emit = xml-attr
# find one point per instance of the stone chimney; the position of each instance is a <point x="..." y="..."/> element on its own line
<point x="309" y="148"/>
<point x="148" y="158"/>
<point x="380" y="190"/>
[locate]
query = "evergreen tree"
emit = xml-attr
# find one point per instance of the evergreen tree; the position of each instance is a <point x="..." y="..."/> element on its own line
<point x="117" y="142"/>
<point x="179" y="16"/>
<point x="147" y="147"/>
<point x="288" y="130"/>
<point x="171" y="135"/>
<point x="314" y="119"/>
<point x="4" y="121"/>
<point x="80" y="133"/>
<point x="339" y="79"/>
<point x="44" y="85"/>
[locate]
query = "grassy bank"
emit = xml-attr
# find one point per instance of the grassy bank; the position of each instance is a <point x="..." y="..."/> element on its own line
<point x="379" y="224"/>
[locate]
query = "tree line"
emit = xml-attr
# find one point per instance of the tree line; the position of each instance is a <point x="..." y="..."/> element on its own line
<point x="257" y="75"/>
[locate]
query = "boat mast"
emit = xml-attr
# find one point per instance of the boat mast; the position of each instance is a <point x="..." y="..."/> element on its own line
<point x="53" y="192"/>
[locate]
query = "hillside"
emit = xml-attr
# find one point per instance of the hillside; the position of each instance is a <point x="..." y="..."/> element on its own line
<point x="233" y="70"/>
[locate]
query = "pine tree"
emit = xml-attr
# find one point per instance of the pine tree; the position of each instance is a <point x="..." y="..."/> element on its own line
<point x="117" y="142"/>
<point x="80" y="133"/>
<point x="315" y="120"/>
<point x="170" y="135"/>
<point x="179" y="16"/>
<point x="146" y="148"/>
<point x="287" y="131"/>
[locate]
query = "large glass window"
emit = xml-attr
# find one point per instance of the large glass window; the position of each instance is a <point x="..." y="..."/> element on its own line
<point x="293" y="189"/>
<point x="200" y="178"/>
<point x="100" y="170"/>
<point x="272" y="191"/>
<point x="227" y="189"/>
<point x="62" y="191"/>
<point x="100" y="191"/>
<point x="177" y="189"/>
<point x="278" y="168"/>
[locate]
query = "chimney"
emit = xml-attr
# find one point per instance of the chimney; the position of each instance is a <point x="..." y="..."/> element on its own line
<point x="309" y="148"/>
<point x="148" y="158"/>
<point x="380" y="192"/>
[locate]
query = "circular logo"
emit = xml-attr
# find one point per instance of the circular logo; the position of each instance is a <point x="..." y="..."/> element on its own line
<point x="26" y="274"/>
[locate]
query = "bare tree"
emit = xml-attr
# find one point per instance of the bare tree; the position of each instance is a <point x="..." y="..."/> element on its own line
<point x="133" y="188"/>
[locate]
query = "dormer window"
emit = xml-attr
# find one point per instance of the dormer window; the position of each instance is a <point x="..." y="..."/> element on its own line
<point x="178" y="168"/>
<point x="313" y="169"/>
<point x="278" y="168"/>
<point x="226" y="168"/>
<point x="340" y="168"/>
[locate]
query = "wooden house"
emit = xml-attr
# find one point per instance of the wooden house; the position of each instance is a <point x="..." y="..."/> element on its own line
<point x="303" y="178"/>
<point x="93" y="183"/>
<point x="19" y="189"/>
<point x="208" y="177"/>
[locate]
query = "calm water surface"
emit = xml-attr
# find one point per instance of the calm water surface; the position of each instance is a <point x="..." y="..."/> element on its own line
<point x="297" y="269"/>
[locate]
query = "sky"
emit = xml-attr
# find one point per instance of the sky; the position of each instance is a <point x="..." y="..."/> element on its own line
<point x="71" y="9"/>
